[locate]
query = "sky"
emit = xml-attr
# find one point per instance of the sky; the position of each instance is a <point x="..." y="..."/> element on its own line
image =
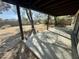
<point x="8" y="15"/>
<point x="11" y="14"/>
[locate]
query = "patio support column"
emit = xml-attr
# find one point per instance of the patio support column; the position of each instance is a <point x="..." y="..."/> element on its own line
<point x="48" y="22"/>
<point x="29" y="14"/>
<point x="55" y="18"/>
<point x="74" y="39"/>
<point x="20" y="22"/>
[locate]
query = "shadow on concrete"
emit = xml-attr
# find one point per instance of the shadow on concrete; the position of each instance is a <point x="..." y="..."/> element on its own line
<point x="46" y="50"/>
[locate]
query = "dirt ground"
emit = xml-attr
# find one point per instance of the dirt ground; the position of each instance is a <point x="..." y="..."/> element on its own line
<point x="11" y="31"/>
<point x="9" y="34"/>
<point x="12" y="47"/>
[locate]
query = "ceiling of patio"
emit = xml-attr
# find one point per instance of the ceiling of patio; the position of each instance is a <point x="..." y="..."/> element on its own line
<point x="52" y="7"/>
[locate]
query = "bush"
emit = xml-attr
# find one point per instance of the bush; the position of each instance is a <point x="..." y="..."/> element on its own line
<point x="61" y="23"/>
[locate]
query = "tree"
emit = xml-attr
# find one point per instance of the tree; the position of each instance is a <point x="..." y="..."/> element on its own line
<point x="0" y="19"/>
<point x="4" y="7"/>
<point x="25" y="21"/>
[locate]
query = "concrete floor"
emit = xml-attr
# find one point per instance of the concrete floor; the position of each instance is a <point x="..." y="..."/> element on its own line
<point x="50" y="44"/>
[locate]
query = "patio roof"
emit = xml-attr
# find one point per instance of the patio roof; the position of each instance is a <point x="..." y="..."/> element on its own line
<point x="52" y="7"/>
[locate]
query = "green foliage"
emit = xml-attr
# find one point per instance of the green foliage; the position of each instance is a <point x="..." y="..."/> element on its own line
<point x="0" y="19"/>
<point x="25" y="21"/>
<point x="4" y="7"/>
<point x="63" y="22"/>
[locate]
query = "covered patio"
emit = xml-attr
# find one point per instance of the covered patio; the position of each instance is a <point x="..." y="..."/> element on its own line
<point x="52" y="43"/>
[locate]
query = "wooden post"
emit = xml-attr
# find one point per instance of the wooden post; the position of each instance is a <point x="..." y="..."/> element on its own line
<point x="31" y="20"/>
<point x="74" y="39"/>
<point x="55" y="20"/>
<point x="20" y="22"/>
<point x="48" y="22"/>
